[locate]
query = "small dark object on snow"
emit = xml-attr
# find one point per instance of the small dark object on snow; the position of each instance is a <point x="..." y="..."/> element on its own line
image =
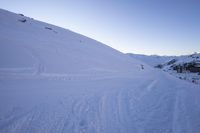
<point x="178" y="68"/>
<point x="23" y="20"/>
<point x="159" y="66"/>
<point x="171" y="62"/>
<point x="48" y="28"/>
<point x="142" y="66"/>
<point x="21" y="14"/>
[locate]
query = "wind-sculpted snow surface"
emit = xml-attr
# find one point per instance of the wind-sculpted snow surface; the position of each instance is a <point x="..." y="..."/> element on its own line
<point x="56" y="81"/>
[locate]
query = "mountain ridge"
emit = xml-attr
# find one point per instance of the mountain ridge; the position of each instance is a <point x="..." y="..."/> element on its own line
<point x="56" y="50"/>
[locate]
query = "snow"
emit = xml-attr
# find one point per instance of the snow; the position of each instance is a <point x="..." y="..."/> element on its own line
<point x="185" y="75"/>
<point x="44" y="51"/>
<point x="56" y="82"/>
<point x="151" y="60"/>
<point x="154" y="61"/>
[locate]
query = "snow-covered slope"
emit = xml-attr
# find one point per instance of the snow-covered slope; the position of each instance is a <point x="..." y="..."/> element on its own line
<point x="151" y="60"/>
<point x="184" y="59"/>
<point x="185" y="67"/>
<point x="55" y="81"/>
<point x="29" y="46"/>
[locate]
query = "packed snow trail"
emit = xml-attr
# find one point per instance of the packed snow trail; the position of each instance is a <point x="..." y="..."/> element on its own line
<point x="138" y="103"/>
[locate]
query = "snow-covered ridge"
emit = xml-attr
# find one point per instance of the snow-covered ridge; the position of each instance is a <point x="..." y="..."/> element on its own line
<point x="186" y="67"/>
<point x="33" y="47"/>
<point x="151" y="60"/>
<point x="180" y="60"/>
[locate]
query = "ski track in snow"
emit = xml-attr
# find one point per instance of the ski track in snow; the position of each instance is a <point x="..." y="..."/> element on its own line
<point x="120" y="108"/>
<point x="64" y="82"/>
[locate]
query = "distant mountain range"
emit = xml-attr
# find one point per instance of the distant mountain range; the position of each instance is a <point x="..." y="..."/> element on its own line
<point x="186" y="67"/>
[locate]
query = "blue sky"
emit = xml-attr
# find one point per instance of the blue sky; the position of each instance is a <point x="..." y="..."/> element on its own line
<point x="164" y="27"/>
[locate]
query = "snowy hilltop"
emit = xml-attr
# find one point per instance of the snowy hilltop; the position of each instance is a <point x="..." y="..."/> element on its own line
<point x="32" y="47"/>
<point x="53" y="80"/>
<point x="151" y="60"/>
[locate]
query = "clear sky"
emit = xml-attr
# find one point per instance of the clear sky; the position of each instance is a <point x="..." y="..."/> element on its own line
<point x="164" y="27"/>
